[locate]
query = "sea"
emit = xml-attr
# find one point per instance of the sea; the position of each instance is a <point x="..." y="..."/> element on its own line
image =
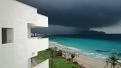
<point x="95" y="46"/>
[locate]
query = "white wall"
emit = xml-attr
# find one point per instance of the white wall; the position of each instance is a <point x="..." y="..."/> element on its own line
<point x="0" y="37"/>
<point x="39" y="45"/>
<point x="39" y="20"/>
<point x="43" y="65"/>
<point x="16" y="15"/>
<point x="10" y="35"/>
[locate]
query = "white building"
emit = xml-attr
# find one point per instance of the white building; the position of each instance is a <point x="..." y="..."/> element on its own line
<point x="16" y="45"/>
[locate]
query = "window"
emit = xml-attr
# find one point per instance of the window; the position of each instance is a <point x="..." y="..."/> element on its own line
<point x="7" y="35"/>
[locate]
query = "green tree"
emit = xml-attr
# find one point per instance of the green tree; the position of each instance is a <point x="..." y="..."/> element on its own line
<point x="113" y="60"/>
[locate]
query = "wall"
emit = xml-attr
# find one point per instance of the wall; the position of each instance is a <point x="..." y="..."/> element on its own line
<point x="0" y="37"/>
<point x="43" y="65"/>
<point x="16" y="15"/>
<point x="39" y="45"/>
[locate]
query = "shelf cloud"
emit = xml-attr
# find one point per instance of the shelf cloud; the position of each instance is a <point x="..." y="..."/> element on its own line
<point x="79" y="13"/>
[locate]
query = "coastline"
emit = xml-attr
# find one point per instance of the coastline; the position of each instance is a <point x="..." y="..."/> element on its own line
<point x="82" y="59"/>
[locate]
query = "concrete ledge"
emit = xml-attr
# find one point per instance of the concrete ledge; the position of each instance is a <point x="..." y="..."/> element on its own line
<point x="44" y="64"/>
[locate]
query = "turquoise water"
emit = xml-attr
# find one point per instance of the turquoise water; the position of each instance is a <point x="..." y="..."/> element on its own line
<point x="96" y="48"/>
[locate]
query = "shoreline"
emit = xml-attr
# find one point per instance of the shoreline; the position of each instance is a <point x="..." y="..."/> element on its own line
<point x="82" y="59"/>
<point x="80" y="51"/>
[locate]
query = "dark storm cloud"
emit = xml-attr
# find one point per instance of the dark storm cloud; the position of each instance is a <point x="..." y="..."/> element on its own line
<point x="79" y="13"/>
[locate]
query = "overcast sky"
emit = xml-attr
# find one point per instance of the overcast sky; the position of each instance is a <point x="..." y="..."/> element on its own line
<point x="105" y="15"/>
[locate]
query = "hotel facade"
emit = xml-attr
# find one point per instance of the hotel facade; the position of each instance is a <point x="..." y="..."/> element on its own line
<point x="17" y="47"/>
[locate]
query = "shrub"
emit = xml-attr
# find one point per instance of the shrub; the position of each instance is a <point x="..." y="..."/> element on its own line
<point x="75" y="62"/>
<point x="69" y="59"/>
<point x="59" y="53"/>
<point x="72" y="56"/>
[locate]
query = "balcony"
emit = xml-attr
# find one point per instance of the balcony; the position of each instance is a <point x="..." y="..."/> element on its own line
<point x="39" y="21"/>
<point x="37" y="44"/>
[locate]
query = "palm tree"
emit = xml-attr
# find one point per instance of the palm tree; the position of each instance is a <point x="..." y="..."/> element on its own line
<point x="113" y="60"/>
<point x="53" y="56"/>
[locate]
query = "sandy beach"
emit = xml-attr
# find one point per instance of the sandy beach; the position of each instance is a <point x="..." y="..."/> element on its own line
<point x="83" y="60"/>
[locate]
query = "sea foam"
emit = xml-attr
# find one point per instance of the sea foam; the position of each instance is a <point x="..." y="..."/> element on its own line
<point x="79" y="51"/>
